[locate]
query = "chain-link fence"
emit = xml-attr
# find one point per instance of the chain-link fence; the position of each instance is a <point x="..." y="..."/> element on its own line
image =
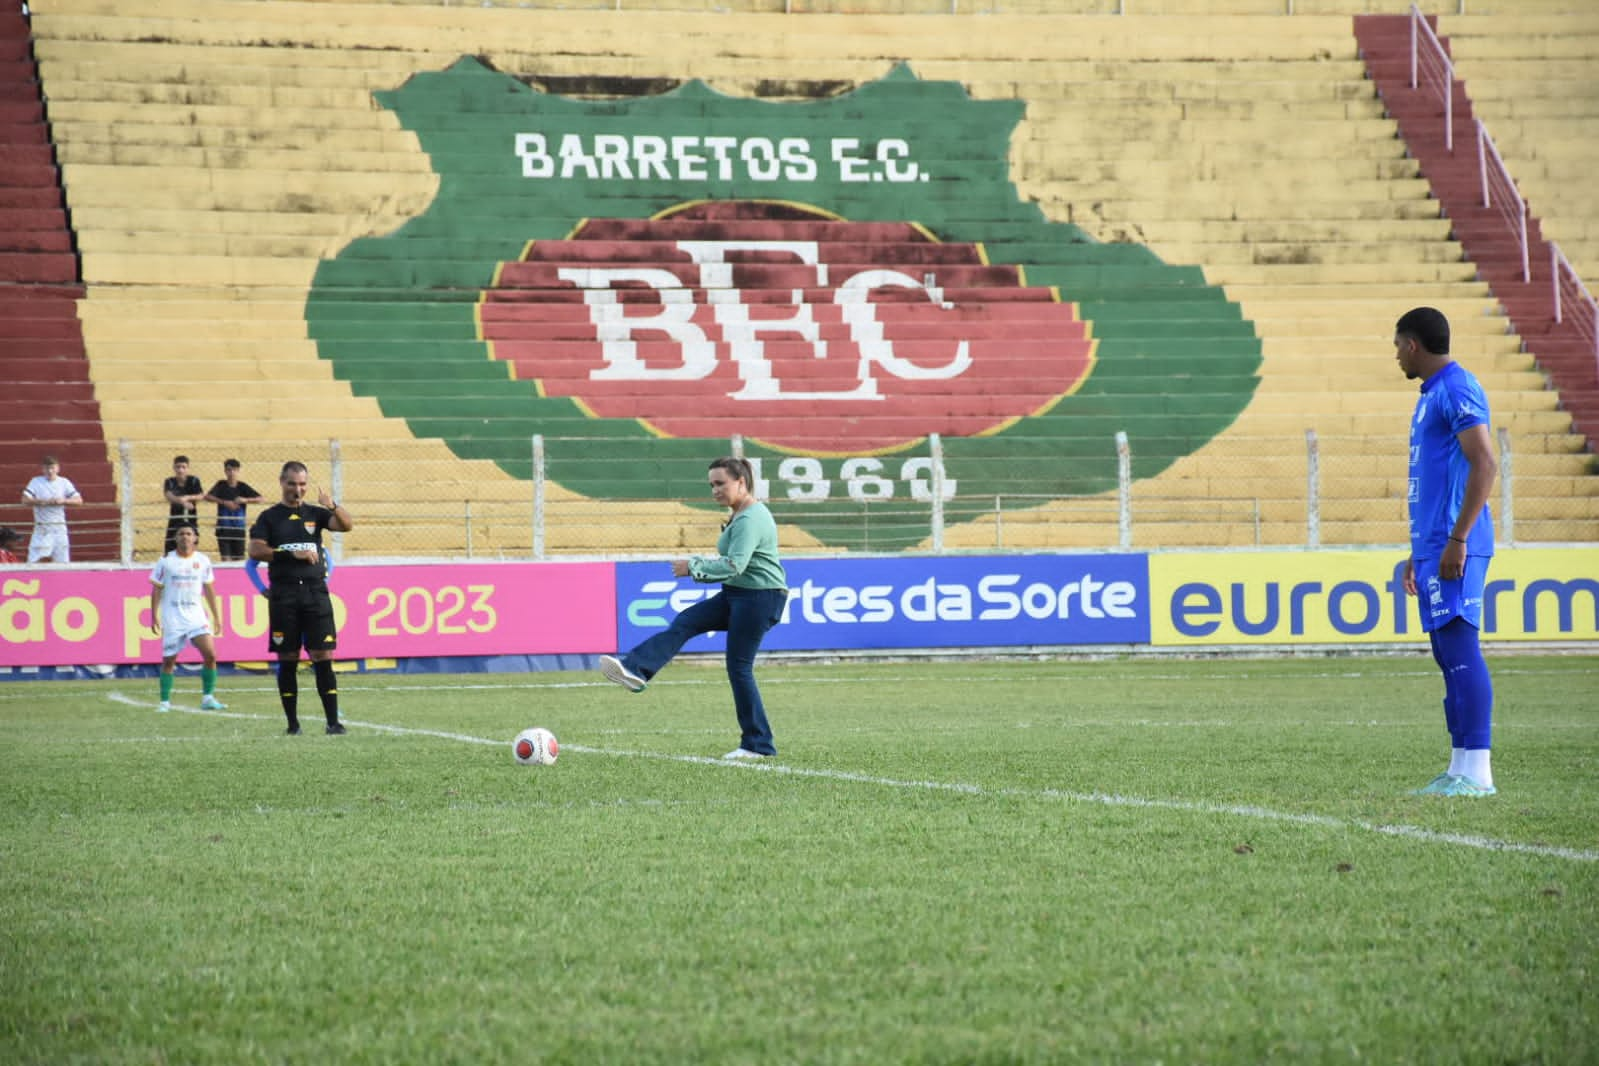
<point x="571" y="497"/>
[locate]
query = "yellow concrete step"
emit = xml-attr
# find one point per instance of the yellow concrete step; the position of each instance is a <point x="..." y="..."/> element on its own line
<point x="244" y="429"/>
<point x="1398" y="404"/>
<point x="1172" y="173"/>
<point x="1382" y="423"/>
<point x="1349" y="317"/>
<point x="684" y="35"/>
<point x="1080" y="207"/>
<point x="1263" y="133"/>
<point x="132" y="269"/>
<point x="1534" y="508"/>
<point x="1401" y="297"/>
<point x="1569" y="45"/>
<point x="1311" y="383"/>
<point x="1464" y="345"/>
<point x="81" y="134"/>
<point x="107" y="372"/>
<point x="131" y="54"/>
<point x="95" y="243"/>
<point x="1338" y="273"/>
<point x="100" y="112"/>
<point x="279" y="224"/>
<point x="1304" y="253"/>
<point x="320" y="160"/>
<point x="152" y="95"/>
<point x="1064" y="74"/>
<point x="1499" y="18"/>
<point x="115" y="339"/>
<point x="81" y="66"/>
<point x="324" y="406"/>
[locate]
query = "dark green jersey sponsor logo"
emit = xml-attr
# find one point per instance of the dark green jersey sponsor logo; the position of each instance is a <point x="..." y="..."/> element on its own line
<point x="834" y="281"/>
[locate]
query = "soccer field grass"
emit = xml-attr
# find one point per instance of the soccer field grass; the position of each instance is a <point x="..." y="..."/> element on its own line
<point x="954" y="862"/>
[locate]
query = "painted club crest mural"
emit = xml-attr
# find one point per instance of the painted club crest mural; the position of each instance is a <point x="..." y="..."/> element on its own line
<point x="833" y="280"/>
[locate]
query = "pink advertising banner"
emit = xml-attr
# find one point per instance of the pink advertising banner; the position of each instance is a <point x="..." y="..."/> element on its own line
<point x="91" y="617"/>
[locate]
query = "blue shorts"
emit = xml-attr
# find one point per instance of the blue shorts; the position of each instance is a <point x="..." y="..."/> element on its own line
<point x="1441" y="601"/>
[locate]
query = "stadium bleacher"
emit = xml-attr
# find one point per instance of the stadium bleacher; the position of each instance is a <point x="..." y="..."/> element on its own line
<point x="219" y="155"/>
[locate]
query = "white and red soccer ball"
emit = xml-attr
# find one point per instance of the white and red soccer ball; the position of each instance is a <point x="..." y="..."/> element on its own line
<point x="536" y="747"/>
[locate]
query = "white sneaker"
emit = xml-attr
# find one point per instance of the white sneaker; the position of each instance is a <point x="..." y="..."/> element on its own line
<point x="211" y="703"/>
<point x="745" y="753"/>
<point x="164" y="706"/>
<point x="612" y="670"/>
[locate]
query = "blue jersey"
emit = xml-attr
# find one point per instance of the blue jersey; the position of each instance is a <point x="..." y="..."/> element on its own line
<point x="1451" y="401"/>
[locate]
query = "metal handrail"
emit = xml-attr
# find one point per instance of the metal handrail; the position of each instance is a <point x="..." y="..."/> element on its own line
<point x="1496" y="178"/>
<point x="1561" y="273"/>
<point x="1420" y="31"/>
<point x="1515" y="212"/>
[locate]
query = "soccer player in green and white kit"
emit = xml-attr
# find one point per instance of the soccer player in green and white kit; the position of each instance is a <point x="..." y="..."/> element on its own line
<point x="181" y="589"/>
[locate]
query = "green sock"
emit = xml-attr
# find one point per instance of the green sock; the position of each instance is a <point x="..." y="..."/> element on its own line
<point x="166" y="686"/>
<point x="208" y="679"/>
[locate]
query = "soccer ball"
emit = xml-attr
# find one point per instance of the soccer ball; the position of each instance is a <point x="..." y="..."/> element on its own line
<point x="535" y="747"/>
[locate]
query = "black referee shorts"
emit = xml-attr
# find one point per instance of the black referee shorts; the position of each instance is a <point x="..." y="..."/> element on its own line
<point x="301" y="615"/>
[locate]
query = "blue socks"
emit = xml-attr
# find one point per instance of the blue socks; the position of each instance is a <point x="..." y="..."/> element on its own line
<point x="1468" y="690"/>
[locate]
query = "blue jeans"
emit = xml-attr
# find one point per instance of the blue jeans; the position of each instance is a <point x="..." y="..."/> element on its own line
<point x="744" y="615"/>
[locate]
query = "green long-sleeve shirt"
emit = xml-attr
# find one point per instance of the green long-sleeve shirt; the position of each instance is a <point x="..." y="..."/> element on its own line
<point x="746" y="553"/>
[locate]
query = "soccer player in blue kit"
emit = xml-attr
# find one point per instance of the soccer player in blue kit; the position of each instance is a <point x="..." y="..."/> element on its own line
<point x="1452" y="470"/>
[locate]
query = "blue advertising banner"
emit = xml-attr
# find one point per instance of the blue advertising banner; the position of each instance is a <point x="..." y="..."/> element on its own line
<point x="919" y="602"/>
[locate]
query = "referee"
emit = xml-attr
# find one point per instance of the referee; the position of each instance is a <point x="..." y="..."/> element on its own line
<point x="288" y="537"/>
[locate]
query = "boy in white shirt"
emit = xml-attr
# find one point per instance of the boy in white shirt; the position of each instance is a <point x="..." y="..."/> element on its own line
<point x="49" y="494"/>
<point x="181" y="590"/>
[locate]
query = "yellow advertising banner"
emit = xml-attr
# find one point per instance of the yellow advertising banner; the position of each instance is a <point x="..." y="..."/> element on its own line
<point x="1358" y="597"/>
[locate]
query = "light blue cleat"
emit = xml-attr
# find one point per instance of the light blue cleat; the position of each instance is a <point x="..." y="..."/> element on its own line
<point x="1436" y="787"/>
<point x="211" y="703"/>
<point x="1465" y="786"/>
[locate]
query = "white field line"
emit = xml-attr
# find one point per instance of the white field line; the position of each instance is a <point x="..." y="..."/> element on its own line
<point x="350" y="684"/>
<point x="1107" y="799"/>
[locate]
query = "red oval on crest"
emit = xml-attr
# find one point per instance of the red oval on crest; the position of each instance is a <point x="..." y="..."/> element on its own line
<point x="803" y="332"/>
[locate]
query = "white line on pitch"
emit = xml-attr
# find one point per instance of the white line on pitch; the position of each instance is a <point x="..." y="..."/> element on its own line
<point x="1107" y="799"/>
<point x="349" y="684"/>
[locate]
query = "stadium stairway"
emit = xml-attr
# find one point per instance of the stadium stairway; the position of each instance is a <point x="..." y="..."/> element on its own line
<point x="216" y="153"/>
<point x="1534" y="81"/>
<point x="48" y="404"/>
<point x="1562" y="349"/>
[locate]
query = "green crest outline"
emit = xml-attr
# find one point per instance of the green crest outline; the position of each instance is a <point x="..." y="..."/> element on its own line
<point x="1175" y="362"/>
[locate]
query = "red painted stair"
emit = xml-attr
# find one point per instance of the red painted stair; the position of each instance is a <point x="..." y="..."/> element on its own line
<point x="1488" y="239"/>
<point x="47" y="406"/>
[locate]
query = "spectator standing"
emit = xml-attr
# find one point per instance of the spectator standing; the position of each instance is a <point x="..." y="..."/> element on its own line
<point x="231" y="495"/>
<point x="182" y="491"/>
<point x="50" y="494"/>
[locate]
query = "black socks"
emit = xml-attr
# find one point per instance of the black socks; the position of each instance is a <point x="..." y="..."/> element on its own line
<point x="289" y="691"/>
<point x="327" y="686"/>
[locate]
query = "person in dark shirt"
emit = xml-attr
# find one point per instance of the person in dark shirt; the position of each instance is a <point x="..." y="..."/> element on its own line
<point x="231" y="496"/>
<point x="182" y="491"/>
<point x="10" y="541"/>
<point x="288" y="537"/>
